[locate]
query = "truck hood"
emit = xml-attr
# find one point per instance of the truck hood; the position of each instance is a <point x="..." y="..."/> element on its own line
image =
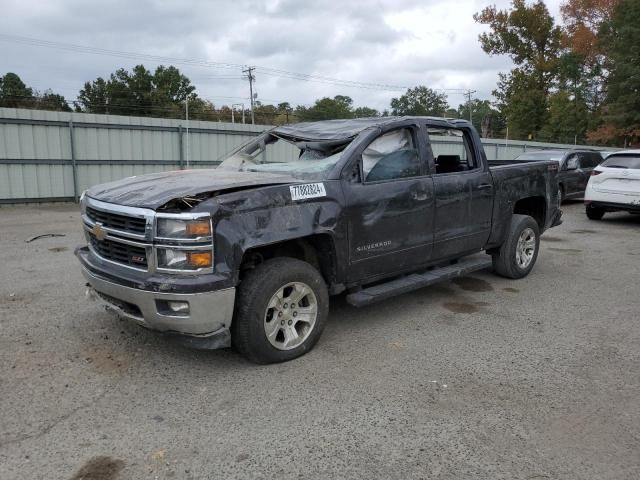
<point x="156" y="189"/>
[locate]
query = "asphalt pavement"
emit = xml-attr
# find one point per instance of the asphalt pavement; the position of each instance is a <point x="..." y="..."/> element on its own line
<point x="483" y="378"/>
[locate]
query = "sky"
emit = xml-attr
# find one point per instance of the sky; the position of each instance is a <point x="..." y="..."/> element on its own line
<point x="387" y="44"/>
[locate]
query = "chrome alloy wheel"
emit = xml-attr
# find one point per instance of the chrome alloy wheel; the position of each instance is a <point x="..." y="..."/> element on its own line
<point x="291" y="315"/>
<point x="525" y="248"/>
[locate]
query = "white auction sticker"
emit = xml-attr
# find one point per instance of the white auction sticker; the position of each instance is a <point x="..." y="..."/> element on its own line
<point x="307" y="190"/>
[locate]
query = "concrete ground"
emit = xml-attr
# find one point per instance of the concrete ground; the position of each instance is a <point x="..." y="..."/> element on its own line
<point x="480" y="378"/>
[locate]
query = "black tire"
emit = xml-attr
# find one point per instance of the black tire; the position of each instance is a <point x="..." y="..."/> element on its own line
<point x="594" y="213"/>
<point x="505" y="261"/>
<point x="248" y="333"/>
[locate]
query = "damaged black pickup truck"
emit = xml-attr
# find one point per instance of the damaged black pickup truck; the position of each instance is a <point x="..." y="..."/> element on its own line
<point x="247" y="254"/>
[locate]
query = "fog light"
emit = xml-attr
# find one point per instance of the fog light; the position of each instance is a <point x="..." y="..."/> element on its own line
<point x="179" y="307"/>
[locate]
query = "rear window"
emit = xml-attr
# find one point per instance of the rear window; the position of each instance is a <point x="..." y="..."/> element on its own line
<point x="622" y="161"/>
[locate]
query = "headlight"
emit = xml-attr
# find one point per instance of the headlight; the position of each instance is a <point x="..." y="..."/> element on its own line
<point x="185" y="229"/>
<point x="175" y="259"/>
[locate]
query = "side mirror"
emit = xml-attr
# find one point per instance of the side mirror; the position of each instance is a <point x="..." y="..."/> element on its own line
<point x="572" y="164"/>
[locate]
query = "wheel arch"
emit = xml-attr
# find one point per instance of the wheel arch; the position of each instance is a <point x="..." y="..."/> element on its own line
<point x="535" y="207"/>
<point x="318" y="250"/>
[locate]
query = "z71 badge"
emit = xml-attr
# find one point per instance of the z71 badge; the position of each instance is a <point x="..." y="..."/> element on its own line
<point x="307" y="190"/>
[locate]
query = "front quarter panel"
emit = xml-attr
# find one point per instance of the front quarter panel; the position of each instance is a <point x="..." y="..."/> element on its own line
<point x="265" y="216"/>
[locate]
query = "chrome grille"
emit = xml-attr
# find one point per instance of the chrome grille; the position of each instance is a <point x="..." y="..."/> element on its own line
<point x="117" y="221"/>
<point x="119" y="252"/>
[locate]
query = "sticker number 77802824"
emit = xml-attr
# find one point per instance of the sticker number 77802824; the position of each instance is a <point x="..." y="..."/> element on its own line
<point x="307" y="190"/>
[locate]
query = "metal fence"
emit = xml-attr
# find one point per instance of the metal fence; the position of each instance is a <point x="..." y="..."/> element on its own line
<point x="54" y="156"/>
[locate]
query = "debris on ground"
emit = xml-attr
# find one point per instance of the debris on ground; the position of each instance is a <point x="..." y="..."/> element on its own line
<point x="44" y="235"/>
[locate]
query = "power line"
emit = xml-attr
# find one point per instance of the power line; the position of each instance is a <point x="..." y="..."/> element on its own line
<point x="274" y="72"/>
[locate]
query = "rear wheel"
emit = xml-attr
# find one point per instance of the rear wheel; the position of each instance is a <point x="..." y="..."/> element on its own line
<point x="517" y="255"/>
<point x="594" y="213"/>
<point x="281" y="310"/>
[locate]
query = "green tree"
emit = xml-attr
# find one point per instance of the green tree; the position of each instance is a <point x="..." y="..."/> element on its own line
<point x="529" y="36"/>
<point x="94" y="97"/>
<point x="621" y="110"/>
<point x="420" y="100"/>
<point x="327" y="108"/>
<point x="141" y="92"/>
<point x="365" y="112"/>
<point x="14" y="93"/>
<point x="51" y="101"/>
<point x="567" y="119"/>
<point x="487" y="120"/>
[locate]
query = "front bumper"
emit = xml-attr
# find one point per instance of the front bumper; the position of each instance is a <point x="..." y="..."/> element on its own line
<point x="206" y="323"/>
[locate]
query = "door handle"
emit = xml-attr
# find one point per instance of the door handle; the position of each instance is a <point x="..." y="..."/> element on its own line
<point x="485" y="186"/>
<point x="419" y="196"/>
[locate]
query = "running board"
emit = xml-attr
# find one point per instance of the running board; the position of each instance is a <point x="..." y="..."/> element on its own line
<point x="414" y="281"/>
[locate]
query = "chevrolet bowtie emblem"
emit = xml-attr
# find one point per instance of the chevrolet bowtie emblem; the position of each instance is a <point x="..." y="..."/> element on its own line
<point x="99" y="232"/>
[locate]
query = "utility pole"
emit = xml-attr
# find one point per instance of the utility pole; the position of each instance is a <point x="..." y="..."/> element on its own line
<point x="468" y="95"/>
<point x="251" y="77"/>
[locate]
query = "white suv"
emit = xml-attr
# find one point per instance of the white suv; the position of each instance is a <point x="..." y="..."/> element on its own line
<point x="614" y="185"/>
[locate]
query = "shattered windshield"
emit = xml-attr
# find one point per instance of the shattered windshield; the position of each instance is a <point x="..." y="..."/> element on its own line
<point x="307" y="160"/>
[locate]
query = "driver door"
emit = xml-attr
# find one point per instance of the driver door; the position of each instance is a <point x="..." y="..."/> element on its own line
<point x="390" y="202"/>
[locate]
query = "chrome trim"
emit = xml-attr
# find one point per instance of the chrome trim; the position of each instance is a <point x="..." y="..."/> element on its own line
<point x="149" y="239"/>
<point x="134" y="212"/>
<point x="88" y="222"/>
<point x="97" y="255"/>
<point x="126" y="241"/>
<point x="208" y="311"/>
<point x="148" y="252"/>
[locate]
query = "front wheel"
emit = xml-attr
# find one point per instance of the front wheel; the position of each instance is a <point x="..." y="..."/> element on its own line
<point x="281" y="309"/>
<point x="517" y="255"/>
<point x="594" y="213"/>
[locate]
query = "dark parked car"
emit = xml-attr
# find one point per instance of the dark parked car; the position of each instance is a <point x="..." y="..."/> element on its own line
<point x="574" y="171"/>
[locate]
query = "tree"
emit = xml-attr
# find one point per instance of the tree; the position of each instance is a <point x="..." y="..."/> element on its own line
<point x="585" y="60"/>
<point x="420" y="100"/>
<point x="487" y="120"/>
<point x="140" y="92"/>
<point x="365" y="112"/>
<point x="583" y="20"/>
<point x="567" y="120"/>
<point x="94" y="97"/>
<point x="326" y="108"/>
<point x="52" y="101"/>
<point x="621" y="110"/>
<point x="529" y="36"/>
<point x="14" y="93"/>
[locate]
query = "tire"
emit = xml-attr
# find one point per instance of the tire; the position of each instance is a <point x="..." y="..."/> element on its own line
<point x="265" y="296"/>
<point x="594" y="213"/>
<point x="517" y="255"/>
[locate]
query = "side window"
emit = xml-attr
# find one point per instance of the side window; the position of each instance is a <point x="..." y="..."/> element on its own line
<point x="392" y="155"/>
<point x="594" y="159"/>
<point x="452" y="150"/>
<point x="572" y="162"/>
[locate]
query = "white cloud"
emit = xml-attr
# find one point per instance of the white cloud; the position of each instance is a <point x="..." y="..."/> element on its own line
<point x="397" y="42"/>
